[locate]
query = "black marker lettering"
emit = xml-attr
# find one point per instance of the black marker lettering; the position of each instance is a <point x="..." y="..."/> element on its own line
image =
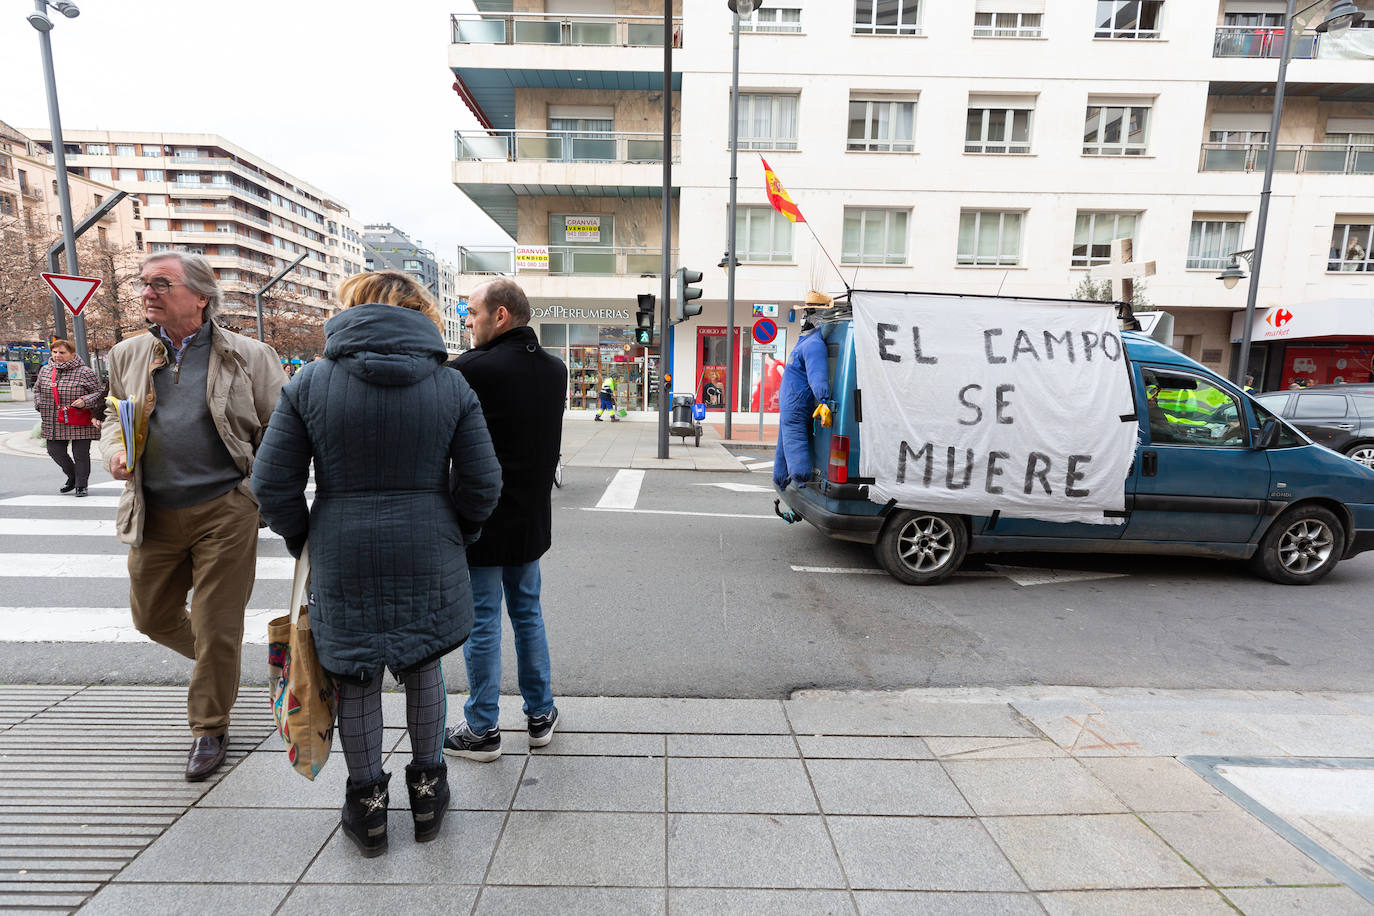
<point x="916" y="347"/>
<point x="978" y="418"/>
<point x="884" y="341"/>
<point x="1033" y="471"/>
<point x="1003" y="403"/>
<point x="1073" y="475"/>
<point x="988" y="335"/>
<point x="994" y="471"/>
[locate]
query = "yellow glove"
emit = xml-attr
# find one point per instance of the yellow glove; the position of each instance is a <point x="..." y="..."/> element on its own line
<point x="823" y="412"/>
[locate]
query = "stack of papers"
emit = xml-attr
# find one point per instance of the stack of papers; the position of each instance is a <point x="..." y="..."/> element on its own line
<point x="131" y="426"/>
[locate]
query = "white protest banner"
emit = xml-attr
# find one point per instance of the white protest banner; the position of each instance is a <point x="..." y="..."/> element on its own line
<point x="531" y="257"/>
<point x="972" y="405"/>
<point x="582" y="228"/>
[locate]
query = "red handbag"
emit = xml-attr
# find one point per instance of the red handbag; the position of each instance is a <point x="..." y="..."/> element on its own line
<point x="68" y="416"/>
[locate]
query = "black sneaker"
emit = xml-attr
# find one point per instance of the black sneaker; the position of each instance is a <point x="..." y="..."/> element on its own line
<point x="464" y="742"/>
<point x="541" y="728"/>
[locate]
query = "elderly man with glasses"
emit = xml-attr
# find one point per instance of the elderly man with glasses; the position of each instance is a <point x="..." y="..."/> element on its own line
<point x="187" y="511"/>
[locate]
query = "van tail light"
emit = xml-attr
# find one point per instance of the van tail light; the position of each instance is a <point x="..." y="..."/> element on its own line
<point x="838" y="472"/>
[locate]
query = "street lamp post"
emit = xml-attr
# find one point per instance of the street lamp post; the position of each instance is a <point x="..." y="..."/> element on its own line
<point x="1343" y="13"/>
<point x="257" y="296"/>
<point x="43" y="25"/>
<point x="740" y="8"/>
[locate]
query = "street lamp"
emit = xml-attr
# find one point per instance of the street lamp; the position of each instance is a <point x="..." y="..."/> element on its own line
<point x="740" y="8"/>
<point x="1342" y="15"/>
<point x="43" y="25"/>
<point x="1233" y="274"/>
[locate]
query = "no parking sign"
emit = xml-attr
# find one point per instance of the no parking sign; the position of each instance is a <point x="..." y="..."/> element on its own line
<point x="765" y="330"/>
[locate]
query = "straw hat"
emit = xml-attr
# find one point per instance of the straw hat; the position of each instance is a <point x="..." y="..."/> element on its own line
<point x="817" y="300"/>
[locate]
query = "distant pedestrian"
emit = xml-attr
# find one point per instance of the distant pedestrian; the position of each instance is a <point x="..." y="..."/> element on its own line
<point x="65" y="394"/>
<point x="405" y="476"/>
<point x="522" y="389"/>
<point x="607" y="399"/>
<point x="187" y="509"/>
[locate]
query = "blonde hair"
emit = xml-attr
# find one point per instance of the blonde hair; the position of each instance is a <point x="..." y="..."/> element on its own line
<point x="390" y="287"/>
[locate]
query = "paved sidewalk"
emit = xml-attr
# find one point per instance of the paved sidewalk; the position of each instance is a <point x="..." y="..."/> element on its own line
<point x="1032" y="800"/>
<point x="633" y="443"/>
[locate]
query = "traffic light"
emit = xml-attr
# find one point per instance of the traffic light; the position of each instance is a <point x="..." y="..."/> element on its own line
<point x="686" y="293"/>
<point x="644" y="319"/>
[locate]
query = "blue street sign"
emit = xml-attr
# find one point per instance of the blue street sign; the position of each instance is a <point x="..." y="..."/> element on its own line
<point x="765" y="330"/>
<point x="461" y="308"/>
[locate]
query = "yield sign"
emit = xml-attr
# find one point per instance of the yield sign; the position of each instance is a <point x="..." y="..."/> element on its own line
<point x="74" y="292"/>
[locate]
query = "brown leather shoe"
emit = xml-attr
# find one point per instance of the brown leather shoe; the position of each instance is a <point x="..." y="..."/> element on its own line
<point x="207" y="753"/>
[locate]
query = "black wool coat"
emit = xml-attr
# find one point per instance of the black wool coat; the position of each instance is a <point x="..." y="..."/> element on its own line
<point x="523" y="389"/>
<point x="403" y="468"/>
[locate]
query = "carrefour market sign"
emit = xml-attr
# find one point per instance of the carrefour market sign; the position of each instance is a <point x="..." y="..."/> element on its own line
<point x="560" y="311"/>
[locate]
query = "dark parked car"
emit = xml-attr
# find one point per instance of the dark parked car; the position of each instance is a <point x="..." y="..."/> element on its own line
<point x="1340" y="417"/>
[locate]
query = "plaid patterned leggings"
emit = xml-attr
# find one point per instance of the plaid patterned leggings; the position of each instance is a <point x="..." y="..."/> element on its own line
<point x="360" y="721"/>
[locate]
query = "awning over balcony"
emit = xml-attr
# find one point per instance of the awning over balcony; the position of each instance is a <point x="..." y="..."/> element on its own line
<point x="490" y="92"/>
<point x="1329" y="318"/>
<point x="499" y="200"/>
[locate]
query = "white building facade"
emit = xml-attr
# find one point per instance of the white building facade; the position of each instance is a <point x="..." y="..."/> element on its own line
<point x="970" y="147"/>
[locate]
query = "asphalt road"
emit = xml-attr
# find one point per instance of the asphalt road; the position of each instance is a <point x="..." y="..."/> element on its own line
<point x="649" y="602"/>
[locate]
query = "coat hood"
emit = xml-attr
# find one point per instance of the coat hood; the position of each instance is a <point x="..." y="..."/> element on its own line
<point x="384" y="344"/>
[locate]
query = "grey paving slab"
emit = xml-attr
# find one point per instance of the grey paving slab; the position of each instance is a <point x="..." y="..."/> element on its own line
<point x="681" y="716"/>
<point x="514" y="743"/>
<point x="369" y="900"/>
<point x="899" y="716"/>
<point x="993" y="748"/>
<point x="698" y="901"/>
<point x="1087" y="852"/>
<point x="591" y="784"/>
<point x="750" y="850"/>
<point x="732" y="746"/>
<point x="572" y="901"/>
<point x="941" y="903"/>
<point x="1156" y="784"/>
<point x="477" y="786"/>
<point x="221" y="845"/>
<point x="178" y="899"/>
<point x="1138" y="903"/>
<point x="921" y="853"/>
<point x="1314" y="735"/>
<point x="906" y="787"/>
<point x="1299" y="901"/>
<point x="1173" y="734"/>
<point x="580" y="848"/>
<point x="995" y="787"/>
<point x="458" y="855"/>
<point x="264" y="779"/>
<point x="602" y="744"/>
<point x="863" y="748"/>
<point x="739" y="785"/>
<point x="1233" y="847"/>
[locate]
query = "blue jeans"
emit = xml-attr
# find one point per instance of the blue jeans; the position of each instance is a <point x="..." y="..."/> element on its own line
<point x="482" y="651"/>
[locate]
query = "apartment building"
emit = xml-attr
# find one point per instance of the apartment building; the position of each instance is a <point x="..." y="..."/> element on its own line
<point x="451" y="306"/>
<point x="388" y="248"/>
<point x="997" y="146"/>
<point x="202" y="193"/>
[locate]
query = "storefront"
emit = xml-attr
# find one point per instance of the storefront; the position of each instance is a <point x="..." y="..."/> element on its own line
<point x="757" y="371"/>
<point x="596" y="344"/>
<point x="1311" y="343"/>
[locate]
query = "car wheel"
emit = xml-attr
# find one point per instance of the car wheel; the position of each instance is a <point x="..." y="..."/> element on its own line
<point x="1363" y="453"/>
<point x="1302" y="546"/>
<point x="922" y="548"/>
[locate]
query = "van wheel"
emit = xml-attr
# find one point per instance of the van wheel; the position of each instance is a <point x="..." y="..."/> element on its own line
<point x="1302" y="546"/>
<point x="922" y="548"/>
<point x="1363" y="453"/>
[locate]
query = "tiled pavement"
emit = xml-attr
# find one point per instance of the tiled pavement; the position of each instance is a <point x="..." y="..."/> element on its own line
<point x="929" y="801"/>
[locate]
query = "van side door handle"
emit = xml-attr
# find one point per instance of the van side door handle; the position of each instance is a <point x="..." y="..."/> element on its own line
<point x="1149" y="464"/>
<point x="1345" y="425"/>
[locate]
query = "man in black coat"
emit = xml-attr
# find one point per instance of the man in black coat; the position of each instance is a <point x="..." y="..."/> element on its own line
<point x="522" y="389"/>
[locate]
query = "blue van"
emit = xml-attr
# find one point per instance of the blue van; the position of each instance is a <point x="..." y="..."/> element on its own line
<point x="1215" y="475"/>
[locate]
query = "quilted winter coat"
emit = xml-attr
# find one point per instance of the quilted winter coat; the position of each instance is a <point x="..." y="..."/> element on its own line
<point x="404" y="474"/>
<point x="77" y="386"/>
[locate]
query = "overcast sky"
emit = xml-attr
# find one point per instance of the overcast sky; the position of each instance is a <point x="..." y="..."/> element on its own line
<point x="351" y="96"/>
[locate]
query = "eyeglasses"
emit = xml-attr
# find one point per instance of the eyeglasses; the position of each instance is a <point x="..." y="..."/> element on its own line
<point x="160" y="285"/>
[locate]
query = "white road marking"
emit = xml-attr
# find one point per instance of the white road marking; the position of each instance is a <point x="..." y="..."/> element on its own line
<point x="738" y="487"/>
<point x="675" y="512"/>
<point x="99" y="624"/>
<point x="840" y="570"/>
<point x="105" y="566"/>
<point x="72" y="527"/>
<point x="66" y="501"/>
<point x="759" y="465"/>
<point x="623" y="490"/>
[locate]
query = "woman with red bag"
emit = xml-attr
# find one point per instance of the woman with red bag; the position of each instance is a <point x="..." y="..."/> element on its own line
<point x="65" y="394"/>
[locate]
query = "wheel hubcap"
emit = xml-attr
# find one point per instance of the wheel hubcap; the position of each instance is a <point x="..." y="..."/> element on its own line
<point x="1364" y="456"/>
<point x="1305" y="546"/>
<point x="925" y="544"/>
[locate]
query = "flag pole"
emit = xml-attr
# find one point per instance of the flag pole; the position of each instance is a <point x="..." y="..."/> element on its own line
<point x="828" y="257"/>
<point x="787" y="208"/>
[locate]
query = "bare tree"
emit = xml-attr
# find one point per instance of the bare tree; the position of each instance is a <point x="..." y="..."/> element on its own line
<point x="292" y="321"/>
<point x="116" y="310"/>
<point x="25" y="300"/>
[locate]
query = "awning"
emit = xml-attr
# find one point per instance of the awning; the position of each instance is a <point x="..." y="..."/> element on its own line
<point x="1333" y="318"/>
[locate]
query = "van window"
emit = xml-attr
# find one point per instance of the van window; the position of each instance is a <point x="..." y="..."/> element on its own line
<point x="1319" y="405"/>
<point x="1365" y="405"/>
<point x="1190" y="410"/>
<point x="1288" y="437"/>
<point x="1275" y="402"/>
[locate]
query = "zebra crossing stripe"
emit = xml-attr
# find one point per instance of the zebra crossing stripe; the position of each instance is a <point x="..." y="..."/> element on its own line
<point x="72" y="527"/>
<point x="106" y="566"/>
<point x="99" y="624"/>
<point x="63" y="502"/>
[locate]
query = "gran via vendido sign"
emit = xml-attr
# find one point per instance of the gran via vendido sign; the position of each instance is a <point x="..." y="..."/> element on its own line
<point x="569" y="314"/>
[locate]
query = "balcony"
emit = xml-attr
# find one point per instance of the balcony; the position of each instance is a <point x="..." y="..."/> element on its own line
<point x="568" y="265"/>
<point x="569" y="30"/>
<point x="563" y="146"/>
<point x="1315" y="158"/>
<point x="1247" y="41"/>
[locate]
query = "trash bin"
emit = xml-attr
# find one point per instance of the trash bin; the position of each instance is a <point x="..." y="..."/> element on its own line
<point x="682" y="421"/>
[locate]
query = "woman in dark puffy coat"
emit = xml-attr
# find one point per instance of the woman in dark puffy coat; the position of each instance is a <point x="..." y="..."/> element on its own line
<point x="65" y="384"/>
<point x="405" y="475"/>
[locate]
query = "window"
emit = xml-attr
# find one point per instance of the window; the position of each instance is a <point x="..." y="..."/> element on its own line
<point x="762" y="234"/>
<point x="1211" y="242"/>
<point x="4" y="166"/>
<point x="157" y="200"/>
<point x="224" y="227"/>
<point x="1128" y="18"/>
<point x="138" y="240"/>
<point x="772" y="20"/>
<point x="767" y="121"/>
<point x="1115" y="130"/>
<point x="124" y="149"/>
<point x="183" y="152"/>
<point x="7" y="207"/>
<point x="1239" y="138"/>
<point x="874" y="236"/>
<point x="128" y="174"/>
<point x="1319" y="405"/>
<point x="887" y="17"/>
<point x="101" y="235"/>
<point x="1189" y="410"/>
<point x="97" y="149"/>
<point x="1006" y="25"/>
<point x="997" y="126"/>
<point x="192" y="226"/>
<point x="100" y="174"/>
<point x="1350" y="248"/>
<point x="989" y="238"/>
<point x="1093" y="234"/>
<point x="152" y="174"/>
<point x="878" y="125"/>
<point x="409" y="264"/>
<point x="151" y="151"/>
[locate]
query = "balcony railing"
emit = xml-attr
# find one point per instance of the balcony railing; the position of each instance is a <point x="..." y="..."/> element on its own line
<point x="563" y="146"/>
<point x="562" y="29"/>
<point x="1328" y="158"/>
<point x="569" y="261"/>
<point x="1249" y="41"/>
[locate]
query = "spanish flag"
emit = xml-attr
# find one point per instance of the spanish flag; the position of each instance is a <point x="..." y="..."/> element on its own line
<point x="777" y="195"/>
